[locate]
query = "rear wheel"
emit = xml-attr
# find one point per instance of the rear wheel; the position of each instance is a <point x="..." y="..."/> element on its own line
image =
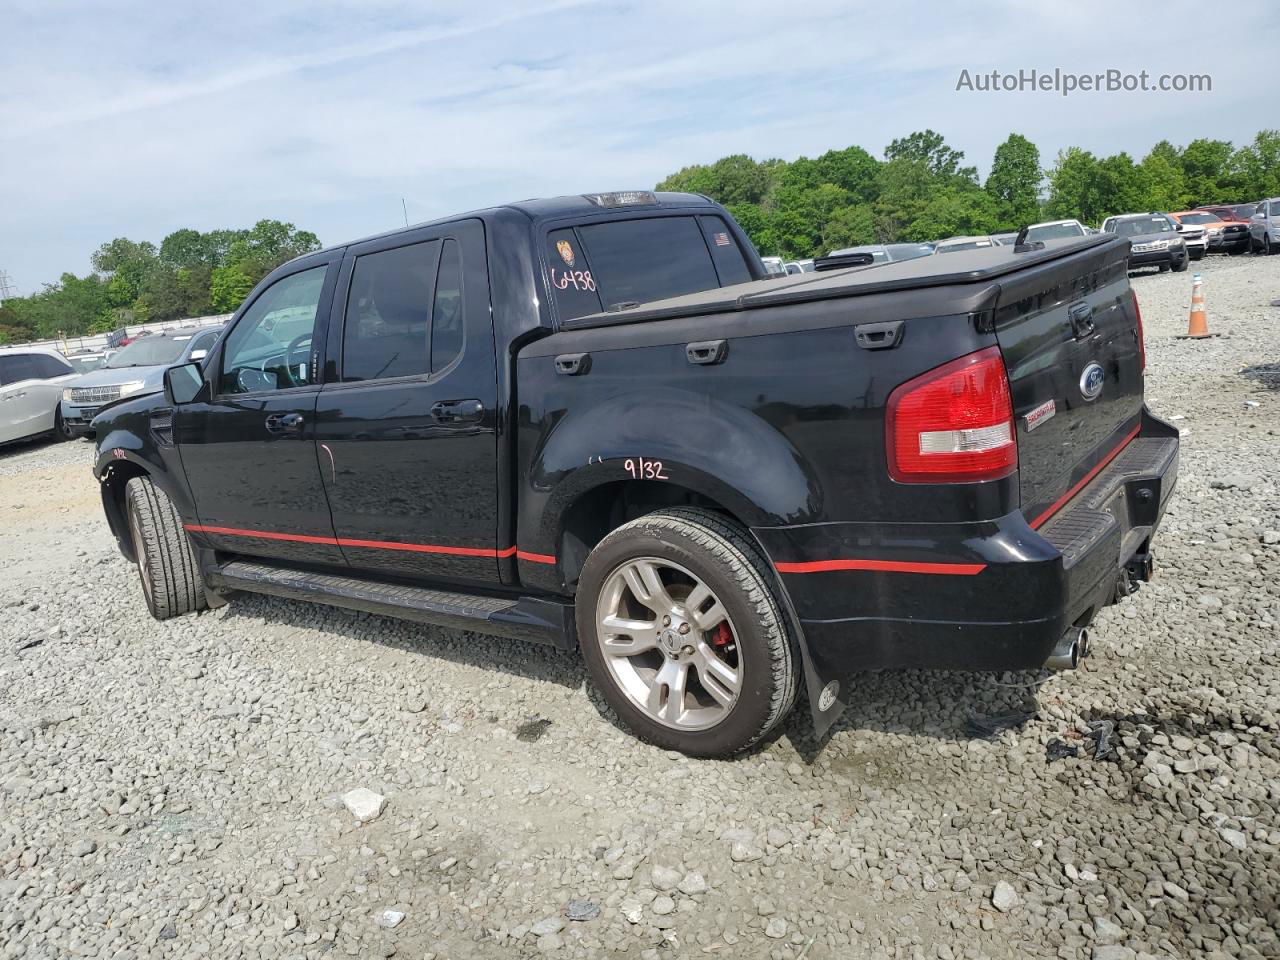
<point x="171" y="582"/>
<point x="682" y="632"/>
<point x="1267" y="247"/>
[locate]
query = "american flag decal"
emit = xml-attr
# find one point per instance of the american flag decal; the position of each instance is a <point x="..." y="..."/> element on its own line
<point x="722" y="239"/>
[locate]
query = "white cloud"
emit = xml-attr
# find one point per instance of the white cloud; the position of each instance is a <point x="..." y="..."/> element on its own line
<point x="139" y="119"/>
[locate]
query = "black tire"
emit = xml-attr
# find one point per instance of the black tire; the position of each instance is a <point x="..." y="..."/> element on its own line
<point x="1198" y="255"/>
<point x="60" y="429"/>
<point x="1179" y="265"/>
<point x="1268" y="247"/>
<point x="1163" y="267"/>
<point x="171" y="582"/>
<point x="725" y="558"/>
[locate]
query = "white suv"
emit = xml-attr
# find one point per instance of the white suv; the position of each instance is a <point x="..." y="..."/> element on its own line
<point x="1264" y="226"/>
<point x="31" y="380"/>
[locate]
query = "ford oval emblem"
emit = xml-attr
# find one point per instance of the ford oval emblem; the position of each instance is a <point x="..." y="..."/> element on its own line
<point x="1091" y="381"/>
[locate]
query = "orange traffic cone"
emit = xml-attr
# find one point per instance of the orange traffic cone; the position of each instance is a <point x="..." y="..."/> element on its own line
<point x="1197" y="324"/>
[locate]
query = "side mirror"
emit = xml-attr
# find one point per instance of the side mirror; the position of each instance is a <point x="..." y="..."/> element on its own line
<point x="1178" y="227"/>
<point x="183" y="384"/>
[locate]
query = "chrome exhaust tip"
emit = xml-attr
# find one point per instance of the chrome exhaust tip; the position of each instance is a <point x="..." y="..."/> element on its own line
<point x="1071" y="649"/>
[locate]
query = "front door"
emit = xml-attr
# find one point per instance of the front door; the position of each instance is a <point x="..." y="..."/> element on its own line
<point x="249" y="452"/>
<point x="406" y="429"/>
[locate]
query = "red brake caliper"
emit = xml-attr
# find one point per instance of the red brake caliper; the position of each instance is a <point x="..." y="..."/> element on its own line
<point x="722" y="637"/>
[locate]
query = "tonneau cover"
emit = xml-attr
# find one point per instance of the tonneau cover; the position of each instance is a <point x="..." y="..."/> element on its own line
<point x="967" y="266"/>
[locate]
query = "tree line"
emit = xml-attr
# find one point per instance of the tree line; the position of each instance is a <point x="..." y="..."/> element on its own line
<point x="922" y="190"/>
<point x="191" y="274"/>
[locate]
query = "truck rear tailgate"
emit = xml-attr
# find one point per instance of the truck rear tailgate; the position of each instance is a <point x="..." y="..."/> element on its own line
<point x="1070" y="335"/>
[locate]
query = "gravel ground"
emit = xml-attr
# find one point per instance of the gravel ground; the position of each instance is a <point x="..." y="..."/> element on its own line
<point x="176" y="789"/>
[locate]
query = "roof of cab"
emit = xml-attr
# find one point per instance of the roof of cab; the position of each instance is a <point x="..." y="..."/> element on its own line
<point x="540" y="209"/>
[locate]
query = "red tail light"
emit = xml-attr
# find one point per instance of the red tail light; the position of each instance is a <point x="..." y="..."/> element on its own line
<point x="953" y="424"/>
<point x="1142" y="337"/>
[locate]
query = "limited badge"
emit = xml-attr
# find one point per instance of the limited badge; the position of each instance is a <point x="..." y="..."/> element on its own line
<point x="1040" y="414"/>
<point x="566" y="251"/>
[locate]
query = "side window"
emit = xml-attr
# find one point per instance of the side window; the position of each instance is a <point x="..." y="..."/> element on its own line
<point x="270" y="347"/>
<point x="9" y="368"/>
<point x="446" y="319"/>
<point x="202" y="344"/>
<point x="638" y="261"/>
<point x="17" y="367"/>
<point x="388" y="320"/>
<point x="725" y="254"/>
<point x="571" y="281"/>
<point x="47" y="368"/>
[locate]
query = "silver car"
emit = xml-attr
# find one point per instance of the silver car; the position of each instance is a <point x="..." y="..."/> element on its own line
<point x="30" y="381"/>
<point x="1264" y="227"/>
<point x="135" y="370"/>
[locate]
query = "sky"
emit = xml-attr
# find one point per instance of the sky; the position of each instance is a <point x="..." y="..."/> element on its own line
<point x="122" y="118"/>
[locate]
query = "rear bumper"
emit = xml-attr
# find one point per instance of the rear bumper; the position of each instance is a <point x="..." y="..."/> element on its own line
<point x="989" y="595"/>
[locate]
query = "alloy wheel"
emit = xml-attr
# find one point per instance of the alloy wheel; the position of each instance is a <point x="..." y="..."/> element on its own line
<point x="669" y="644"/>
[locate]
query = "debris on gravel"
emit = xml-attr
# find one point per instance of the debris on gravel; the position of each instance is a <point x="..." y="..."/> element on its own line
<point x="180" y="789"/>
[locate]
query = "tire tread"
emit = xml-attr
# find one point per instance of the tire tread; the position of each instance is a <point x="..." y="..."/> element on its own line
<point x="165" y="556"/>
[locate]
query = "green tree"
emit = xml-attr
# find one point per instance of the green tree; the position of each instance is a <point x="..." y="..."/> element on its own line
<point x="1259" y="165"/>
<point x="228" y="286"/>
<point x="1209" y="172"/>
<point x="931" y="149"/>
<point x="1166" y="186"/>
<point x="1014" y="182"/>
<point x="1074" y="187"/>
<point x="733" y="179"/>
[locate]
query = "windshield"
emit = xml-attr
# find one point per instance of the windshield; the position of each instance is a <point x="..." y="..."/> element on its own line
<point x="1199" y="218"/>
<point x="1134" y="228"/>
<point x="1054" y="231"/>
<point x="85" y="364"/>
<point x="908" y="251"/>
<point x="964" y="245"/>
<point x="1244" y="210"/>
<point x="149" y="352"/>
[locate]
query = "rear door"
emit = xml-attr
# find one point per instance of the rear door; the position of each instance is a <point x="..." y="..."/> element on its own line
<point x="407" y="429"/>
<point x="1068" y="330"/>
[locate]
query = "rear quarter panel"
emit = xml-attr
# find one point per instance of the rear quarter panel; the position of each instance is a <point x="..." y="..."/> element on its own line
<point x="787" y="430"/>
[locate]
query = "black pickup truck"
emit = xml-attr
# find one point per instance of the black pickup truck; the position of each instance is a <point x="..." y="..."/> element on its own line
<point x="594" y="421"/>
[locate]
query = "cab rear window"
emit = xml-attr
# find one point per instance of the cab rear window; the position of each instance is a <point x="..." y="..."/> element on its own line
<point x="620" y="263"/>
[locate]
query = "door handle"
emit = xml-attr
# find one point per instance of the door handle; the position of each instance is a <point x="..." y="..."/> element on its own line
<point x="457" y="411"/>
<point x="1081" y="316"/>
<point x="285" y="423"/>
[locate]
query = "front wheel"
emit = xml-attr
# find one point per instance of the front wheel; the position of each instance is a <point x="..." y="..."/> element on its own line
<point x="1198" y="255"/>
<point x="1180" y="265"/>
<point x="1267" y="246"/>
<point x="683" y="633"/>
<point x="60" y="429"/>
<point x="171" y="582"/>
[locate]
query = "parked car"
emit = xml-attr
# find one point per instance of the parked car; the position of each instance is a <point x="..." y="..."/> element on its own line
<point x="1056" y="230"/>
<point x="1194" y="231"/>
<point x="775" y="266"/>
<point x="1223" y="236"/>
<point x="134" y="369"/>
<point x="957" y="244"/>
<point x="1006" y="239"/>
<point x="799" y="266"/>
<point x="546" y="420"/>
<point x="31" y="379"/>
<point x="888" y="252"/>
<point x="1264" y="227"/>
<point x="1153" y="238"/>
<point x="1238" y="212"/>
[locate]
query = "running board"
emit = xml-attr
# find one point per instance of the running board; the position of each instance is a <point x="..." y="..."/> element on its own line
<point x="523" y="618"/>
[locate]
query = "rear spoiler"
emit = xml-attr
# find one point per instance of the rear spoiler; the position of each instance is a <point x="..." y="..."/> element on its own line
<point x="838" y="261"/>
